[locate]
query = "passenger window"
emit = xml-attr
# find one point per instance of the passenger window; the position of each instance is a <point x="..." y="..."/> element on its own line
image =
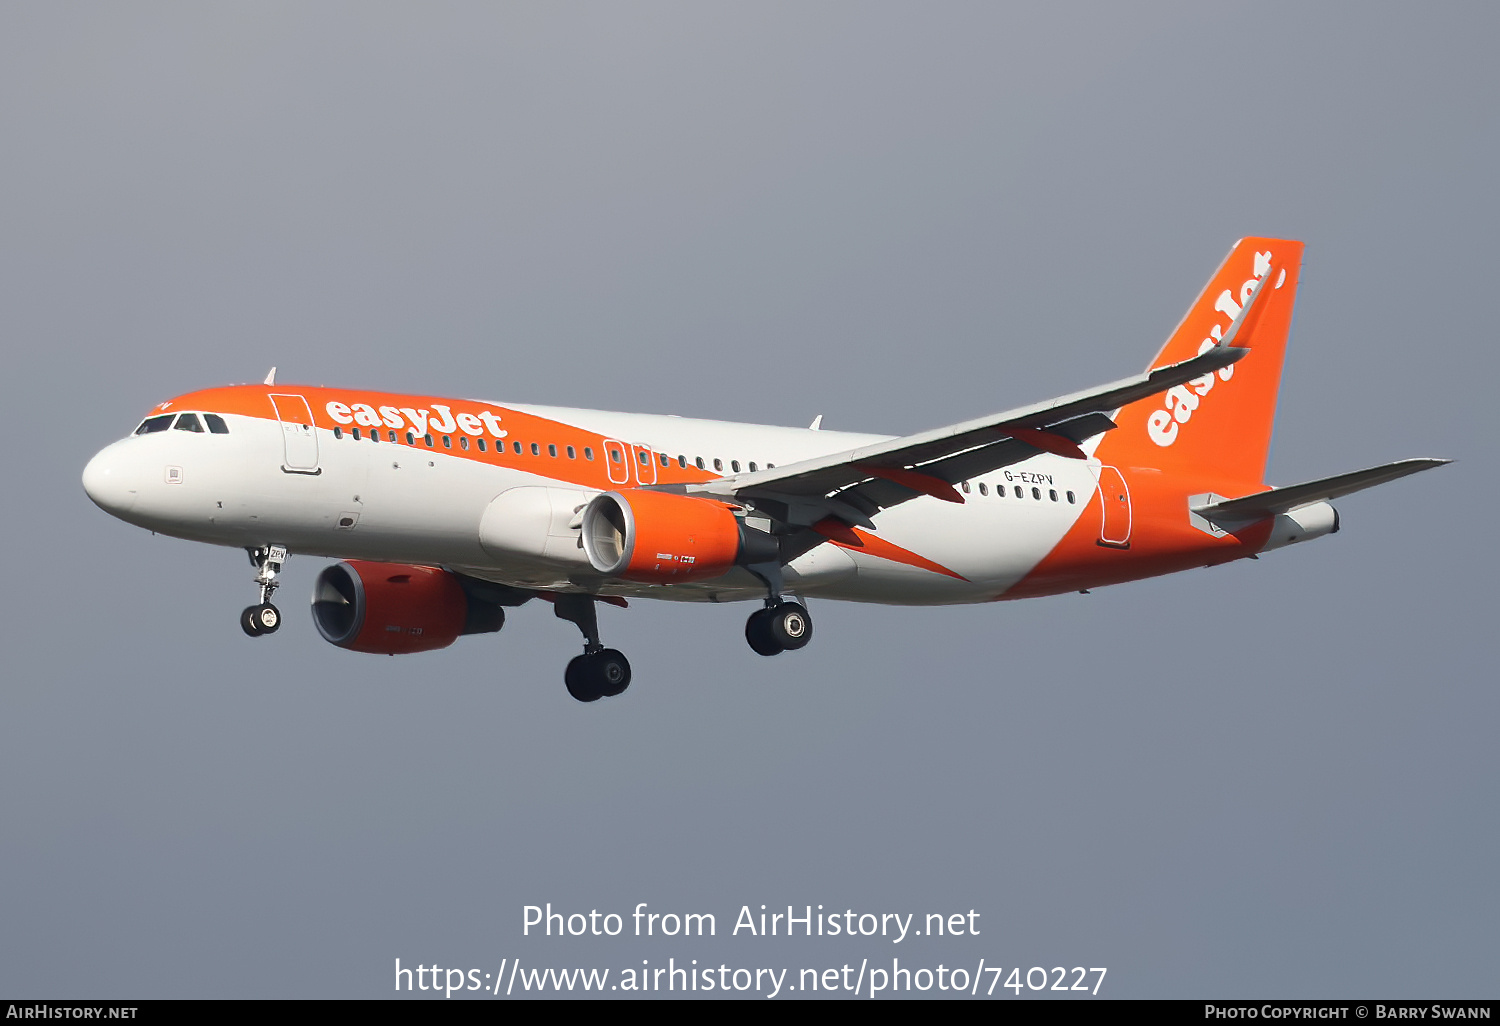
<point x="481" y="446"/>
<point x="216" y="424"/>
<point x="552" y="451"/>
<point x="428" y="440"/>
<point x="572" y="453"/>
<point x="682" y="462"/>
<point x="1052" y="492"/>
<point x="1036" y="493"/>
<point x="699" y="461"/>
<point x="1072" y="498"/>
<point x="411" y="439"/>
<point x="151" y="425"/>
<point x="391" y="435"/>
<point x="338" y="432"/>
<point x="770" y="466"/>
<point x="1020" y="494"/>
<point x="718" y="464"/>
<point x="614" y="455"/>
<point x="536" y="449"/>
<point x="644" y="458"/>
<point x="447" y="442"/>
<point x="518" y="447"/>
<point x="588" y="452"/>
<point x="966" y="487"/>
<point x="752" y="466"/>
<point x="734" y="465"/>
<point x="984" y="489"/>
<point x="355" y="434"/>
<point x="374" y="434"/>
<point x="463" y="441"/>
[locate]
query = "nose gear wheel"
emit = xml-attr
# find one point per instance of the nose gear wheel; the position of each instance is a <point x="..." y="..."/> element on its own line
<point x="261" y="619"/>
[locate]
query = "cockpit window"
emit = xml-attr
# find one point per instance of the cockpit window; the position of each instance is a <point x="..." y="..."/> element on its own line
<point x="216" y="424"/>
<point x="189" y="422"/>
<point x="151" y="425"/>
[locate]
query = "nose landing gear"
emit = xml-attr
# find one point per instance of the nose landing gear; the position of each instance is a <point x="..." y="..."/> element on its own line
<point x="600" y="672"/>
<point x="264" y="618"/>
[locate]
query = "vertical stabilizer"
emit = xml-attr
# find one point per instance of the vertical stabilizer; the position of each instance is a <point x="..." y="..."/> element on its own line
<point x="1218" y="427"/>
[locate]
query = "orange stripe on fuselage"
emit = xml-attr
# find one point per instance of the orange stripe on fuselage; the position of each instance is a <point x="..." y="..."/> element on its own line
<point x="1162" y="540"/>
<point x="855" y="540"/>
<point x="254" y="401"/>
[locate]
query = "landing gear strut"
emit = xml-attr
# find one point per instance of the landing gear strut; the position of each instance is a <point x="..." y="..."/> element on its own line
<point x="264" y="618"/>
<point x="600" y="672"/>
<point x="781" y="626"/>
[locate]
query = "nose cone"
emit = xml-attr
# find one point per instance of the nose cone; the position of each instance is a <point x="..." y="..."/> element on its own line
<point x="108" y="483"/>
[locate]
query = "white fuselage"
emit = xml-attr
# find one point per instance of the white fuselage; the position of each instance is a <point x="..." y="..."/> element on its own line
<point x="391" y="502"/>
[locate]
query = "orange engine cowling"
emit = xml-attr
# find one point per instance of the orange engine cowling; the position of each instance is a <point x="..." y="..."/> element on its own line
<point x="392" y="608"/>
<point x="664" y="538"/>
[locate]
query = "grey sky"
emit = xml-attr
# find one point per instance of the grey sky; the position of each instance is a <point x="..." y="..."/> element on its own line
<point x="1273" y="778"/>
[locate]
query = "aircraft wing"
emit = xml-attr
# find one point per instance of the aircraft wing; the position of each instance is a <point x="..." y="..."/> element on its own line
<point x="1282" y="500"/>
<point x="855" y="484"/>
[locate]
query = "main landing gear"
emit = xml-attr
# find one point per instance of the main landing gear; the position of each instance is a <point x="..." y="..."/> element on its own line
<point x="781" y="626"/>
<point x="264" y="618"/>
<point x="784" y="627"/>
<point x="600" y="672"/>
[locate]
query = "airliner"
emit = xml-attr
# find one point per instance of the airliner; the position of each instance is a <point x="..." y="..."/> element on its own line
<point x="444" y="512"/>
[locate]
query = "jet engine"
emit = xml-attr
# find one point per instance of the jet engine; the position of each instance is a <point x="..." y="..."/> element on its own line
<point x="390" y="607"/>
<point x="666" y="538"/>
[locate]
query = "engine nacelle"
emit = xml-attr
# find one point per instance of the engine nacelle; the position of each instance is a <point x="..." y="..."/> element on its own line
<point x="391" y="607"/>
<point x="666" y="538"/>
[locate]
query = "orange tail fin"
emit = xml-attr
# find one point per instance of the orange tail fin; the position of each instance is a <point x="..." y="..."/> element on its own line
<point x="1218" y="427"/>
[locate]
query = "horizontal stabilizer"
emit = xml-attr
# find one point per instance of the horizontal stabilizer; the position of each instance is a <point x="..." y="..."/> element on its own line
<point x="1282" y="500"/>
